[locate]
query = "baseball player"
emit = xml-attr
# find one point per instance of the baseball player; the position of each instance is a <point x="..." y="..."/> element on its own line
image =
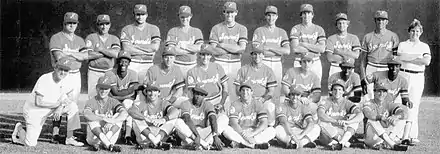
<point x="382" y="116"/>
<point x="262" y="80"/>
<point x="141" y="40"/>
<point x="353" y="90"/>
<point x="201" y="125"/>
<point x="53" y="94"/>
<point x="229" y="40"/>
<point x="104" y="117"/>
<point x="306" y="38"/>
<point x="105" y="49"/>
<point x="124" y="89"/>
<point x="154" y="119"/>
<point x="339" y="118"/>
<point x="211" y="77"/>
<point x="341" y="46"/>
<point x="378" y="47"/>
<point x="168" y="78"/>
<point x="67" y="44"/>
<point x="275" y="43"/>
<point x="248" y="121"/>
<point x="185" y="40"/>
<point x="296" y="125"/>
<point x="415" y="56"/>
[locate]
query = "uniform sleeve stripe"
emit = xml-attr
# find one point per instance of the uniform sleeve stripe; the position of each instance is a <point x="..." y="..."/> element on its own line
<point x="178" y="85"/>
<point x="356" y="48"/>
<point x="191" y="86"/>
<point x="281" y="115"/>
<point x="285" y="83"/>
<point x="115" y="46"/>
<point x="213" y="41"/>
<point x="330" y="51"/>
<point x="170" y="43"/>
<point x="395" y="110"/>
<point x="321" y="38"/>
<point x="293" y="37"/>
<point x="211" y="113"/>
<point x="307" y="116"/>
<point x="315" y="89"/>
<point x="168" y="108"/>
<point x="352" y="108"/>
<point x="321" y="106"/>
<point x="186" y="112"/>
<point x="55" y="49"/>
<point x="262" y="115"/>
<point x="233" y="116"/>
<point x="88" y="108"/>
<point x="242" y="38"/>
<point x="155" y="37"/>
<point x="198" y="41"/>
<point x="284" y="42"/>
<point x="426" y="54"/>
<point x="236" y="83"/>
<point x="125" y="40"/>
<point x="224" y="78"/>
<point x="403" y="91"/>
<point x="271" y="84"/>
<point x="119" y="107"/>
<point x="85" y="49"/>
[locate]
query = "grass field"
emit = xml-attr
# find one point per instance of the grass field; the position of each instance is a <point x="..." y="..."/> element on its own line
<point x="11" y="108"/>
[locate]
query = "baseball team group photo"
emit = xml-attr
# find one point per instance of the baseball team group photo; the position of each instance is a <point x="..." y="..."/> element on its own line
<point x="347" y="76"/>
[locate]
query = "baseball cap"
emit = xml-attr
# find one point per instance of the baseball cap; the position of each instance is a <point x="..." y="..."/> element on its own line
<point x="341" y="16"/>
<point x="103" y="18"/>
<point x="394" y="61"/>
<point x="347" y="63"/>
<point x="64" y="63"/>
<point x="307" y="57"/>
<point x="338" y="83"/>
<point x="140" y="9"/>
<point x="206" y="49"/>
<point x="124" y="54"/>
<point x="256" y="51"/>
<point x="149" y="88"/>
<point x="200" y="90"/>
<point x="230" y="6"/>
<point x="245" y="86"/>
<point x="380" y="14"/>
<point x="306" y="8"/>
<point x="168" y="52"/>
<point x="380" y="86"/>
<point x="271" y="9"/>
<point x="104" y="82"/>
<point x="70" y="17"/>
<point x="185" y="11"/>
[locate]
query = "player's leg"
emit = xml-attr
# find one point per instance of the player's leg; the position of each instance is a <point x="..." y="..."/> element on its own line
<point x="381" y="132"/>
<point x="317" y="68"/>
<point x="92" y="79"/>
<point x="73" y="123"/>
<point x="113" y="133"/>
<point x="35" y="119"/>
<point x="333" y="70"/>
<point x="270" y="107"/>
<point x="415" y="91"/>
<point x="187" y="136"/>
<point x="95" y="135"/>
<point x="129" y="122"/>
<point x="330" y="136"/>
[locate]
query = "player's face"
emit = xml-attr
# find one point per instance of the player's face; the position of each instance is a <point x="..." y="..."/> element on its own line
<point x="70" y="26"/>
<point x="342" y="25"/>
<point x="123" y="64"/>
<point x="140" y="18"/>
<point x="347" y="70"/>
<point x="305" y="64"/>
<point x="246" y="93"/>
<point x="198" y="98"/>
<point x="307" y="17"/>
<point x="380" y="94"/>
<point x="204" y="58"/>
<point x="337" y="91"/>
<point x="153" y="95"/>
<point x="395" y="69"/>
<point x="230" y="15"/>
<point x="104" y="27"/>
<point x="168" y="60"/>
<point x="257" y="57"/>
<point x="294" y="99"/>
<point x="415" y="33"/>
<point x="60" y="73"/>
<point x="103" y="93"/>
<point x="271" y="18"/>
<point x="185" y="20"/>
<point x="381" y="23"/>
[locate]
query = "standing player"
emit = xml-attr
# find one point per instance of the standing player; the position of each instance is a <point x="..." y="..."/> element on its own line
<point x="104" y="117"/>
<point x="339" y="118"/>
<point x="67" y="44"/>
<point x="275" y="43"/>
<point x="141" y="40"/>
<point x="341" y="46"/>
<point x="229" y="40"/>
<point x="307" y="38"/>
<point x="378" y="47"/>
<point x="415" y="56"/>
<point x="296" y="125"/>
<point x="353" y="90"/>
<point x="262" y="80"/>
<point x="105" y="49"/>
<point x="185" y="40"/>
<point x="248" y="121"/>
<point x="154" y="119"/>
<point x="53" y="94"/>
<point x="125" y="84"/>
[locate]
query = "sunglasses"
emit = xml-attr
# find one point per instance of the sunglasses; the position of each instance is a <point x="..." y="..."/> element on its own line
<point x="71" y="23"/>
<point x="106" y="23"/>
<point x="227" y="12"/>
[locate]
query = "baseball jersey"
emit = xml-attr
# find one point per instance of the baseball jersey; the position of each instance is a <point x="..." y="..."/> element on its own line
<point x="176" y="36"/>
<point x="221" y="33"/>
<point x="399" y="85"/>
<point x="295" y="117"/>
<point x="379" y="46"/>
<point x="199" y="115"/>
<point x="353" y="82"/>
<point x="349" y="42"/>
<point x="386" y="109"/>
<point x="133" y="35"/>
<point x="106" y="108"/>
<point x="418" y="50"/>
<point x="265" y="36"/>
<point x="248" y="115"/>
<point x="258" y="78"/>
<point x="309" y="82"/>
<point x="123" y="83"/>
<point x="61" y="42"/>
<point x="339" y="110"/>
<point x="152" y="111"/>
<point x="311" y="34"/>
<point x="209" y="80"/>
<point x="165" y="81"/>
<point x="96" y="41"/>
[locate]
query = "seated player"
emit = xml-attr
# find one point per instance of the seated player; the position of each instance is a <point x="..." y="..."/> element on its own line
<point x="351" y="79"/>
<point x="339" y="118"/>
<point x="385" y="118"/>
<point x="104" y="117"/>
<point x="248" y="124"/>
<point x="200" y="126"/>
<point x="296" y="125"/>
<point x="154" y="119"/>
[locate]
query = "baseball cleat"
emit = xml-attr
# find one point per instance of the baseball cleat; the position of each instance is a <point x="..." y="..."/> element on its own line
<point x="262" y="146"/>
<point x="334" y="147"/>
<point x="95" y="147"/>
<point x="399" y="147"/>
<point x="165" y="146"/>
<point x="408" y="142"/>
<point x="72" y="141"/>
<point x="310" y="145"/>
<point x="128" y="140"/>
<point x="114" y="148"/>
<point x="56" y="139"/>
<point x="291" y="146"/>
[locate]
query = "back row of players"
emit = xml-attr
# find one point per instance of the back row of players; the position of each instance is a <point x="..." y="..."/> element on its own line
<point x="194" y="72"/>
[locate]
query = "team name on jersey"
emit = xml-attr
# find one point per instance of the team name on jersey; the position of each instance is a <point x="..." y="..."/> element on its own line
<point x="242" y="117"/>
<point x="294" y="118"/>
<point x="309" y="36"/>
<point x="223" y="36"/>
<point x="201" y="116"/>
<point x="107" y="114"/>
<point x="66" y="48"/>
<point x="154" y="116"/>
<point x="393" y="92"/>
<point x="262" y="81"/>
<point x="339" y="45"/>
<point x="213" y="79"/>
<point x="386" y="45"/>
<point x="122" y="87"/>
<point x="332" y="113"/>
<point x="271" y="40"/>
<point x="166" y="85"/>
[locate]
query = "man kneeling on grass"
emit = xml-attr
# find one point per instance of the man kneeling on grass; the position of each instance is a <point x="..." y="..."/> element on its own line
<point x="296" y="125"/>
<point x="154" y="119"/>
<point x="104" y="117"/>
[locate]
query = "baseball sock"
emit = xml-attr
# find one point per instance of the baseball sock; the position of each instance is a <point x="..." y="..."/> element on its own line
<point x="407" y="130"/>
<point x="56" y="126"/>
<point x="387" y="139"/>
<point x="69" y="134"/>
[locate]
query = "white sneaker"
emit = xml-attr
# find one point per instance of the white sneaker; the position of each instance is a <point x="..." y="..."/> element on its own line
<point x="414" y="140"/>
<point x="154" y="139"/>
<point x="17" y="127"/>
<point x="72" y="141"/>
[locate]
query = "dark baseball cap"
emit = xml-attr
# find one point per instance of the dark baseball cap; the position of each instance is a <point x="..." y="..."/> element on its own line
<point x="245" y="86"/>
<point x="200" y="90"/>
<point x="394" y="61"/>
<point x="271" y="9"/>
<point x="169" y="52"/>
<point x="380" y="14"/>
<point x="124" y="54"/>
<point x="256" y="50"/>
<point x="380" y="87"/>
<point x="140" y="9"/>
<point x="338" y="83"/>
<point x="103" y="18"/>
<point x="342" y="16"/>
<point x="306" y="8"/>
<point x="185" y="11"/>
<point x="104" y="82"/>
<point x="65" y="63"/>
<point x="230" y="6"/>
<point x="70" y="17"/>
<point x="347" y="63"/>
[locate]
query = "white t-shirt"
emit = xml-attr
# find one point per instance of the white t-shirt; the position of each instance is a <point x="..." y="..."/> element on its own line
<point x="410" y="51"/>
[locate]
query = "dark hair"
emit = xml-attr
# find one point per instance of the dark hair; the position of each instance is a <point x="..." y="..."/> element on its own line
<point x="415" y="23"/>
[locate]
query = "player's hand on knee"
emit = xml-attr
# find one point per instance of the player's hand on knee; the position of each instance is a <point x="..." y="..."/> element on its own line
<point x="57" y="114"/>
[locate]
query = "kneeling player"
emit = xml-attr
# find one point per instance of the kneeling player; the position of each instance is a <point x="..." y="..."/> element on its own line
<point x="339" y="118"/>
<point x="154" y="119"/>
<point x="292" y="116"/>
<point x="248" y="121"/>
<point x="384" y="118"/>
<point x="104" y="117"/>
